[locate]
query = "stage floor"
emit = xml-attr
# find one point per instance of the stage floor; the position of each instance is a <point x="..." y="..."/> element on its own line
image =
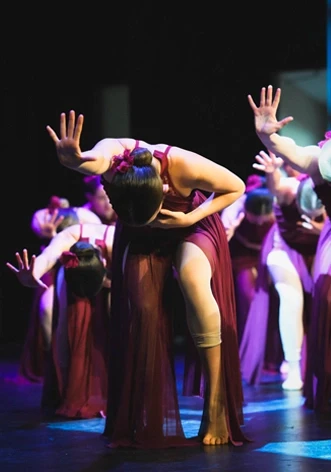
<point x="286" y="436"/>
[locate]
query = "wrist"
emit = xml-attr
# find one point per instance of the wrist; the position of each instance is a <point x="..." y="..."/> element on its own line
<point x="191" y="218"/>
<point x="264" y="138"/>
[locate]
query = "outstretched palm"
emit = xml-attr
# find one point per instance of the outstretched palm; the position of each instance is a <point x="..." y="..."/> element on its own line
<point x="68" y="145"/>
<point x="24" y="272"/>
<point x="265" y="114"/>
<point x="267" y="163"/>
<point x="48" y="227"/>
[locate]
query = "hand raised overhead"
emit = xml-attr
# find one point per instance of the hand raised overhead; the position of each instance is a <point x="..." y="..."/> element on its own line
<point x="68" y="145"/>
<point x="267" y="163"/>
<point x="265" y="114"/>
<point x="50" y="223"/>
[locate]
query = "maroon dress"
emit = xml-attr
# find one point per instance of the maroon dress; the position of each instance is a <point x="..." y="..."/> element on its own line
<point x="317" y="385"/>
<point x="80" y="389"/>
<point x="244" y="257"/>
<point x="143" y="408"/>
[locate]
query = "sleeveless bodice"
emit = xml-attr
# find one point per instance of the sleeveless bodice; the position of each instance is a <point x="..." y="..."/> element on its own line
<point x="101" y="243"/>
<point x="173" y="200"/>
<point x="252" y="232"/>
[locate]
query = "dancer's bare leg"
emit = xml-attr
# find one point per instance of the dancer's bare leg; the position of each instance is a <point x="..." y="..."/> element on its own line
<point x="46" y="315"/>
<point x="216" y="431"/>
<point x="291" y="305"/>
<point x="203" y="318"/>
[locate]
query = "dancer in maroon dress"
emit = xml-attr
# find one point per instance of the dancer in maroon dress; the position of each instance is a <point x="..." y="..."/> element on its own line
<point x="76" y="374"/>
<point x="38" y="338"/>
<point x="314" y="160"/>
<point x="45" y="224"/>
<point x="164" y="220"/>
<point x="245" y="247"/>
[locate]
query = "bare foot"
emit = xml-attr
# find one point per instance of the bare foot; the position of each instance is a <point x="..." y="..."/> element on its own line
<point x="216" y="430"/>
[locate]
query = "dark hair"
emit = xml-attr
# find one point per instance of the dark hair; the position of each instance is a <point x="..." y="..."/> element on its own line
<point x="92" y="183"/>
<point x="86" y="278"/>
<point x="137" y="193"/>
<point x="70" y="218"/>
<point x="259" y="202"/>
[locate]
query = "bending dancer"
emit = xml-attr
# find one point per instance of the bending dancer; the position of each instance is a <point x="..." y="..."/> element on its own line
<point x="164" y="220"/>
<point x="314" y="160"/>
<point x="75" y="378"/>
<point x="45" y="224"/>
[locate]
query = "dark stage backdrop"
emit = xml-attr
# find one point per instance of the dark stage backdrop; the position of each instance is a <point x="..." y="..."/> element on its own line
<point x="188" y="72"/>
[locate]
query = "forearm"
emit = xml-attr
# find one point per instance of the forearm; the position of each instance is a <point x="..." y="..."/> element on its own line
<point x="215" y="203"/>
<point x="274" y="181"/>
<point x="103" y="153"/>
<point x="51" y="254"/>
<point x="43" y="264"/>
<point x="303" y="159"/>
<point x="97" y="167"/>
<point x="230" y="213"/>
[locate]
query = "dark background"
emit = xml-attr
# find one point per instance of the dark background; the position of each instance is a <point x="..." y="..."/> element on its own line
<point x="189" y="71"/>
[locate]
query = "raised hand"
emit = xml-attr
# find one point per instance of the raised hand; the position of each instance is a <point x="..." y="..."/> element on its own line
<point x="48" y="228"/>
<point x="265" y="114"/>
<point x="68" y="145"/>
<point x="267" y="163"/>
<point x="24" y="272"/>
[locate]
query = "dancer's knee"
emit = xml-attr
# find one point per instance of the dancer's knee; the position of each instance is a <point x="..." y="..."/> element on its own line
<point x="205" y="340"/>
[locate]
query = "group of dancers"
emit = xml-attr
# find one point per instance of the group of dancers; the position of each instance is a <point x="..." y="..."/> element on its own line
<point x="160" y="236"/>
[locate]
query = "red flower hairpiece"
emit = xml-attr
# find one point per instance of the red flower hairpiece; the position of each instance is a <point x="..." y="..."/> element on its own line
<point x="123" y="162"/>
<point x="69" y="259"/>
<point x="327" y="136"/>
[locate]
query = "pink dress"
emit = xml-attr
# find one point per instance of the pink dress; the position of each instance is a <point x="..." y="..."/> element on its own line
<point x="317" y="386"/>
<point x="143" y="408"/>
<point x="76" y="378"/>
